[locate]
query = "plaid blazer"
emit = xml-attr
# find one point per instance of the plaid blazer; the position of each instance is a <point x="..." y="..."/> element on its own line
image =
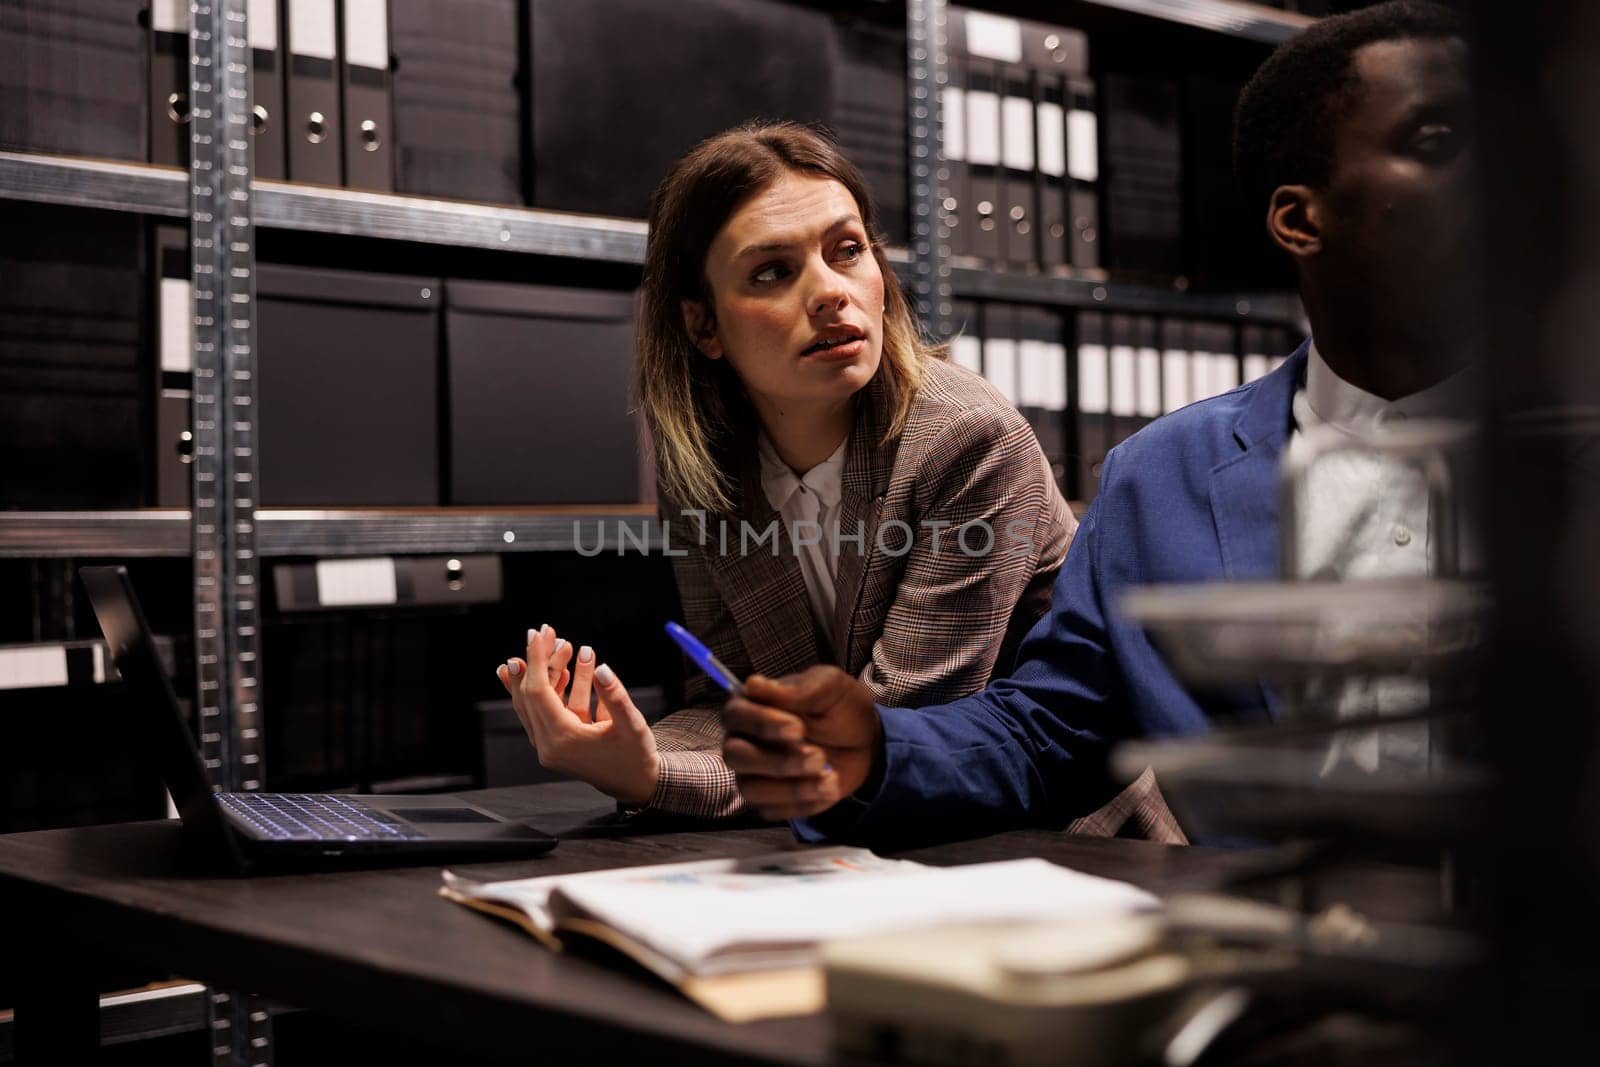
<point x="919" y="621"/>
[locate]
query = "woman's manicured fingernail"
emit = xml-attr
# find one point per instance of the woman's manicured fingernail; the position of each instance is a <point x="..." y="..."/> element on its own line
<point x="585" y="654"/>
<point x="514" y="668"/>
<point x="531" y="635"/>
<point x="544" y="629"/>
<point x="604" y="675"/>
<point x="557" y="650"/>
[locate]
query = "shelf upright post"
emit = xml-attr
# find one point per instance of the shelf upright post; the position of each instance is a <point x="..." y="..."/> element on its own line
<point x="928" y="172"/>
<point x="227" y="610"/>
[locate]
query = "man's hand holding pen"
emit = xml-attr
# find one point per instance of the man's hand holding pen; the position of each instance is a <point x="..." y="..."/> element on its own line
<point x="802" y="743"/>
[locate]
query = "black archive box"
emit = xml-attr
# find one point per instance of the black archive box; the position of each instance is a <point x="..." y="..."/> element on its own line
<point x="621" y="89"/>
<point x="349" y="398"/>
<point x="72" y="77"/>
<point x="539" y="395"/>
<point x="458" y="99"/>
<point x="72" y="398"/>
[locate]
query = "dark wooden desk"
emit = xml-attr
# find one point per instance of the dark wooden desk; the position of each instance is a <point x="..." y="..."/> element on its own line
<point x="379" y="948"/>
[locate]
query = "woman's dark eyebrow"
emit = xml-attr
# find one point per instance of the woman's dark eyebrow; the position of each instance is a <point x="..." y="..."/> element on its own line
<point x="781" y="246"/>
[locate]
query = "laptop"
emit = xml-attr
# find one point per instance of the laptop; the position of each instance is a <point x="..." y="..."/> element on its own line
<point x="249" y="831"/>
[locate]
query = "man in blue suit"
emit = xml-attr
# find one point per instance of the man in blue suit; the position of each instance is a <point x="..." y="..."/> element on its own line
<point x="1354" y="136"/>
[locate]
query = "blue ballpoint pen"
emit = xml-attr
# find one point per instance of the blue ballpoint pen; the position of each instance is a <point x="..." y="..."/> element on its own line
<point x="703" y="659"/>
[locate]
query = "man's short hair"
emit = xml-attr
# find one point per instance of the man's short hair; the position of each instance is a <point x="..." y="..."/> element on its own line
<point x="1284" y="127"/>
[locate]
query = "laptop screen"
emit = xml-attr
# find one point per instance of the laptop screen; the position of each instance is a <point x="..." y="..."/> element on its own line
<point x="157" y="728"/>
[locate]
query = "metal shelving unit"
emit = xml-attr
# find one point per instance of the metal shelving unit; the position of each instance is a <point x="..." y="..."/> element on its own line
<point x="158" y="532"/>
<point x="1092" y="293"/>
<point x="1250" y="21"/>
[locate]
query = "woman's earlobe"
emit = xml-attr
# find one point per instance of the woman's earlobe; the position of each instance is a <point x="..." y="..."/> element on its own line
<point x="701" y="329"/>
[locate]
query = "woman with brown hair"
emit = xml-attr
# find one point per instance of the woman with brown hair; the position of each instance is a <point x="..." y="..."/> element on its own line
<point x="835" y="490"/>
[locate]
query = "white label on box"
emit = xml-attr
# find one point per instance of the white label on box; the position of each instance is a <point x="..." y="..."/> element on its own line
<point x="263" y="16"/>
<point x="169" y="16"/>
<point x="1124" y="383"/>
<point x="33" y="667"/>
<point x="1174" y="380"/>
<point x="99" y="662"/>
<point x="967" y="351"/>
<point x="1052" y="139"/>
<point x="1094" y="379"/>
<point x="1083" y="146"/>
<point x="994" y="37"/>
<point x="355" y="582"/>
<point x="1224" y="372"/>
<point x="953" y="109"/>
<point x="983" y="128"/>
<point x="1149" y="383"/>
<point x="176" y="326"/>
<point x="1256" y="367"/>
<point x="1056" y="397"/>
<point x="1033" y="371"/>
<point x="313" y="31"/>
<point x="366" y="33"/>
<point x="1017" y="116"/>
<point x="1000" y="365"/>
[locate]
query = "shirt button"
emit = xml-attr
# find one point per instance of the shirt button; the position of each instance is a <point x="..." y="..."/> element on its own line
<point x="1402" y="536"/>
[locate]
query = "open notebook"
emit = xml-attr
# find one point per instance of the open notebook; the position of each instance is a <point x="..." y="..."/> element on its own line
<point x="739" y="936"/>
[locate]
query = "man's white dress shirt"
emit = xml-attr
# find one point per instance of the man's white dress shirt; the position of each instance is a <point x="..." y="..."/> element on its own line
<point x="1366" y="516"/>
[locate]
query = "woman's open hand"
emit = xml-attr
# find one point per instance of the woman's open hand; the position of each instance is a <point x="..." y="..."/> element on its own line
<point x="613" y="750"/>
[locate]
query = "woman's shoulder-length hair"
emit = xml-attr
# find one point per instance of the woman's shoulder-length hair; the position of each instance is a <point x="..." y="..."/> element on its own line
<point x="695" y="407"/>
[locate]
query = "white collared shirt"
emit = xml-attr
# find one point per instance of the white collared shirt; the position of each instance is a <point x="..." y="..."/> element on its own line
<point x="808" y="505"/>
<point x="1366" y="516"/>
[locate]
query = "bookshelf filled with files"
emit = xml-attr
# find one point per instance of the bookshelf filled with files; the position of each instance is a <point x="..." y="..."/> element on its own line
<point x="431" y="158"/>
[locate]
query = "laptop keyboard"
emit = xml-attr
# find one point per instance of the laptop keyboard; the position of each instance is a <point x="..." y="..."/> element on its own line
<point x="315" y="817"/>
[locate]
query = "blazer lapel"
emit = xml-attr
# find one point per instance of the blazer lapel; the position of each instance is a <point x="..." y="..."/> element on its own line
<point x="867" y="467"/>
<point x="765" y="592"/>
<point x="1244" y="489"/>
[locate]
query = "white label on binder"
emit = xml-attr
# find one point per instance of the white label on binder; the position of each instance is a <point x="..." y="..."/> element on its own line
<point x="169" y="16"/>
<point x="1083" y="146"/>
<point x="1174" y="380"/>
<point x="263" y="15"/>
<point x="1000" y="365"/>
<point x="33" y="667"/>
<point x="1033" y="371"/>
<point x="1149" y="383"/>
<point x="1124" y="383"/>
<point x="1056" y="396"/>
<point x="366" y="33"/>
<point x="1256" y="367"/>
<point x="953" y="105"/>
<point x="177" y="326"/>
<point x="313" y="31"/>
<point x="983" y="128"/>
<point x="99" y="662"/>
<point x="1094" y="379"/>
<point x="967" y="351"/>
<point x="1017" y="116"/>
<point x="352" y="582"/>
<point x="993" y="37"/>
<point x="1052" y="139"/>
<point x="1224" y="372"/>
<point x="1200" y="376"/>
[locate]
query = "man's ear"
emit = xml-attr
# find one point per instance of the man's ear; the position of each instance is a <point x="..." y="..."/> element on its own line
<point x="1294" y="220"/>
<point x="701" y="325"/>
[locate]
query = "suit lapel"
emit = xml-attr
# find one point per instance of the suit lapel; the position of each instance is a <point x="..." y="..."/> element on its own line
<point x="866" y="480"/>
<point x="1244" y="489"/>
<point x="765" y="593"/>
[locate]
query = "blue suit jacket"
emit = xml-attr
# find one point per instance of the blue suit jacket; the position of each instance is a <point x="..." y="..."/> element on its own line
<point x="1193" y="497"/>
